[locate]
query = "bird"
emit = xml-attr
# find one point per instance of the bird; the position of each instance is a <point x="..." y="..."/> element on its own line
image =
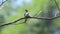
<point x="26" y="15"/>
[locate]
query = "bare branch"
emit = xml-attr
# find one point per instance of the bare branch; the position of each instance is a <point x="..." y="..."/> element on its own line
<point x="55" y="17"/>
<point x="3" y="2"/>
<point x="42" y="18"/>
<point x="46" y="18"/>
<point x="11" y="22"/>
<point x="24" y="18"/>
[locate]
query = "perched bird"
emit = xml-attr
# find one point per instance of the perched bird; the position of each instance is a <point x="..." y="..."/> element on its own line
<point x="26" y="15"/>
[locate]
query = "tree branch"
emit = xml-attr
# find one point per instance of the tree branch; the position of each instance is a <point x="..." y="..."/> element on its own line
<point x="11" y="22"/>
<point x="55" y="17"/>
<point x="42" y="18"/>
<point x="3" y="2"/>
<point x="24" y="18"/>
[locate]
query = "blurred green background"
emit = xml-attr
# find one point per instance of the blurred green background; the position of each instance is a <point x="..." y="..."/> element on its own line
<point x="14" y="9"/>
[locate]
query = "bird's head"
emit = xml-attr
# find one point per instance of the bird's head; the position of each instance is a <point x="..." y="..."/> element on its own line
<point x="26" y="10"/>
